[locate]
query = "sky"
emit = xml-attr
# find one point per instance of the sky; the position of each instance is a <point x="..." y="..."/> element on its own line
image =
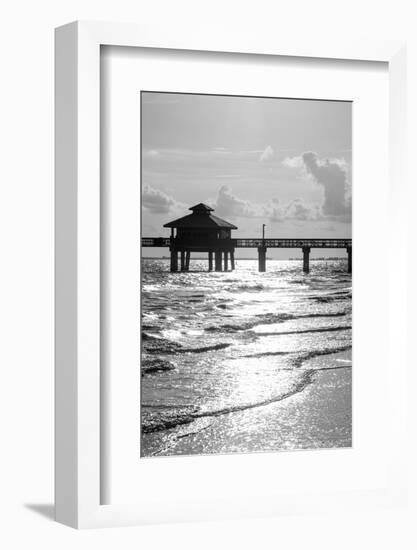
<point x="285" y="163"/>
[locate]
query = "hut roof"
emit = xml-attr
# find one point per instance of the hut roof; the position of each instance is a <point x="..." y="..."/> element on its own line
<point x="201" y="207"/>
<point x="201" y="217"/>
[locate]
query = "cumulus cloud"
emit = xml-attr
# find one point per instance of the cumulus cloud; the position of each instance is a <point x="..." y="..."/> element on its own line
<point x="332" y="176"/>
<point x="293" y="162"/>
<point x="157" y="201"/>
<point x="296" y="209"/>
<point x="230" y="205"/>
<point x="266" y="154"/>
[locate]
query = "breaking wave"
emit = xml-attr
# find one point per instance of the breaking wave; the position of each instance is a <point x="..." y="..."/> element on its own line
<point x="306" y="331"/>
<point x="175" y="419"/>
<point x="154" y="344"/>
<point x="268" y="319"/>
<point x="154" y="421"/>
<point x="153" y="365"/>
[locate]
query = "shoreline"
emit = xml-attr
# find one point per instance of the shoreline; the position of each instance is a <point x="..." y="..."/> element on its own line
<point x="319" y="416"/>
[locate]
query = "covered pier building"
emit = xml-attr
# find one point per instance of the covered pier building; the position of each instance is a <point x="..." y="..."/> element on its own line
<point x="201" y="231"/>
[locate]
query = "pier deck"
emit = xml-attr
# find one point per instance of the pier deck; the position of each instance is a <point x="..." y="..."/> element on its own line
<point x="261" y="244"/>
<point x="265" y="243"/>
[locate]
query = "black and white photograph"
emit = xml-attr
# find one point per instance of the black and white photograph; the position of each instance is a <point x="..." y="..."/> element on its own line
<point x="209" y="275"/>
<point x="246" y="275"/>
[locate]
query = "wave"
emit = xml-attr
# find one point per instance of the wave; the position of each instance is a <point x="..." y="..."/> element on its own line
<point x="177" y="417"/>
<point x="299" y="357"/>
<point x="258" y="286"/>
<point x="159" y="424"/>
<point x="153" y="344"/>
<point x="151" y="366"/>
<point x="268" y="319"/>
<point x="333" y="368"/>
<point x="214" y="347"/>
<point x="298" y="361"/>
<point x="314" y="315"/>
<point x="154" y="422"/>
<point x="304" y="331"/>
<point x="147" y="336"/>
<point x="156" y="344"/>
<point x="266" y="354"/>
<point x="331" y="297"/>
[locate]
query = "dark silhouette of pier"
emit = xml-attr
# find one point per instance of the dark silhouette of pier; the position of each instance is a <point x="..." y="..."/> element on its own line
<point x="201" y="231"/>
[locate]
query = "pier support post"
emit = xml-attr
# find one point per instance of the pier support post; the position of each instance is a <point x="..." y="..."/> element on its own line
<point x="306" y="259"/>
<point x="232" y="259"/>
<point x="210" y="258"/>
<point x="174" y="260"/>
<point x="182" y="260"/>
<point x="218" y="260"/>
<point x="261" y="258"/>
<point x="187" y="260"/>
<point x="349" y="253"/>
<point x="226" y="260"/>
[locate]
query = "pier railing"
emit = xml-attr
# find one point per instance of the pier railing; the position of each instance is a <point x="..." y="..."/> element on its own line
<point x="155" y="241"/>
<point x="293" y="243"/>
<point x="259" y="243"/>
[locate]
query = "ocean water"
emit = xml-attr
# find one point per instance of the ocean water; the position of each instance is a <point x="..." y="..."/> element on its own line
<point x="245" y="361"/>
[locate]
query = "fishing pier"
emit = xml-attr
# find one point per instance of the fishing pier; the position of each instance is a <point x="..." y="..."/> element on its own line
<point x="201" y="231"/>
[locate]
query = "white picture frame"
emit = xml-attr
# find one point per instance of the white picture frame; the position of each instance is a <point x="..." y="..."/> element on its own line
<point x="78" y="411"/>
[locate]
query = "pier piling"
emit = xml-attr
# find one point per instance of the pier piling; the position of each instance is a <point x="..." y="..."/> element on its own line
<point x="306" y="259"/>
<point x="174" y="260"/>
<point x="261" y="258"/>
<point x="349" y="253"/>
<point x="218" y="260"/>
<point x="226" y="262"/>
<point x="232" y="259"/>
<point x="210" y="260"/>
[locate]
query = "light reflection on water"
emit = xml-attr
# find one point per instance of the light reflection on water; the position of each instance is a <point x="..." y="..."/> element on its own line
<point x="224" y="357"/>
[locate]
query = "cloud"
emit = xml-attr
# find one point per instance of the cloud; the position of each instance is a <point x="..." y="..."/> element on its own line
<point x="296" y="209"/>
<point x="293" y="162"/>
<point x="332" y="176"/>
<point x="228" y="204"/>
<point x="266" y="154"/>
<point x="157" y="201"/>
